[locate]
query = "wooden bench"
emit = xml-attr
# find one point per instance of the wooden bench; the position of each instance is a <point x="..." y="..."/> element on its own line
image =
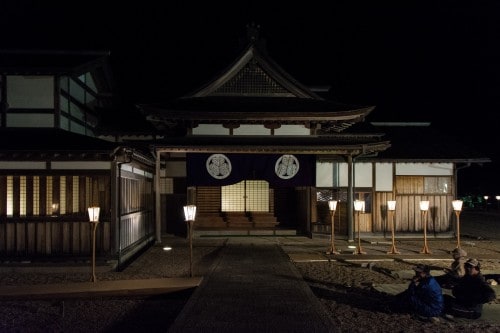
<point x="62" y="291"/>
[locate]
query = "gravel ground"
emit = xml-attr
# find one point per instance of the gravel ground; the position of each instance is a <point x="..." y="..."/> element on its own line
<point x="345" y="289"/>
<point x="106" y="314"/>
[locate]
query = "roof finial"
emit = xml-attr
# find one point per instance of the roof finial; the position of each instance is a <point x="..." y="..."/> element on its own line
<point x="253" y="32"/>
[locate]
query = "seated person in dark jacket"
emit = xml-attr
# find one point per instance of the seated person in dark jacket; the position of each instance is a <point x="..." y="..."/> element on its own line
<point x="424" y="296"/>
<point x="470" y="293"/>
<point x="456" y="271"/>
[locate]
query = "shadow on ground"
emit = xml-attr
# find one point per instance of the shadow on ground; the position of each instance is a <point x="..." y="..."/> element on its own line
<point x="154" y="314"/>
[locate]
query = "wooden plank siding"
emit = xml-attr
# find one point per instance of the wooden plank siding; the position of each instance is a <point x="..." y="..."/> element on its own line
<point x="380" y="217"/>
<point x="29" y="228"/>
<point x="49" y="237"/>
<point x="365" y="222"/>
<point x="136" y="225"/>
<point x="3" y="197"/>
<point x="208" y="199"/>
<point x="408" y="217"/>
<point x="408" y="192"/>
<point x="208" y="208"/>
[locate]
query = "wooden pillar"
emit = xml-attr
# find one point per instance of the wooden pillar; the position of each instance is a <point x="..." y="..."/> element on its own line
<point x="350" y="199"/>
<point x="158" y="199"/>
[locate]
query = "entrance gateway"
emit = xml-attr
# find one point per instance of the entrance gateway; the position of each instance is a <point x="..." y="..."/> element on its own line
<point x="246" y="145"/>
<point x="254" y="110"/>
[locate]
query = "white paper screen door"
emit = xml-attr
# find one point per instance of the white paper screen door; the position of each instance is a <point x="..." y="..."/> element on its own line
<point x="246" y="196"/>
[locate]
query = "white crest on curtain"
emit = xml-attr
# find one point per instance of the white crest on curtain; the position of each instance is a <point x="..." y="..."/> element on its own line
<point x="219" y="166"/>
<point x="287" y="166"/>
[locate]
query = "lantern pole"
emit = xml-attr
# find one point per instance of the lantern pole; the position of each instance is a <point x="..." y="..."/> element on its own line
<point x="94" y="221"/>
<point x="457" y="207"/>
<point x="190" y="214"/>
<point x="358" y="206"/>
<point x="332" y="205"/>
<point x="391" y="208"/>
<point x="424" y="207"/>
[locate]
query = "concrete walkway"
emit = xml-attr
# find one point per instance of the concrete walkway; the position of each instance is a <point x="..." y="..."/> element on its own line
<point x="253" y="288"/>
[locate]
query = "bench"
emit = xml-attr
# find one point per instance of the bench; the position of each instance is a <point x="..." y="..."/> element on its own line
<point x="62" y="291"/>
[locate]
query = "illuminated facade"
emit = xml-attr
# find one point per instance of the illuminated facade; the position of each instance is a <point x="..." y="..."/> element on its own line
<point x="254" y="149"/>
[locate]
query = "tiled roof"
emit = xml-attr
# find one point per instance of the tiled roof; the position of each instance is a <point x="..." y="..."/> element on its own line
<point x="254" y="90"/>
<point x="254" y="73"/>
<point x="35" y="140"/>
<point x="323" y="145"/>
<point x="43" y="144"/>
<point x="236" y="104"/>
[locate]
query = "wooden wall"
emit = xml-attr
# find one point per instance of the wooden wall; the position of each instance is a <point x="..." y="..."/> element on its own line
<point x="208" y="199"/>
<point x="408" y="217"/>
<point x="136" y="224"/>
<point x="52" y="237"/>
<point x="40" y="232"/>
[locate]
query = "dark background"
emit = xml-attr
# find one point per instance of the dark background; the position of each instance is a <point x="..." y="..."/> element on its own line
<point x="427" y="60"/>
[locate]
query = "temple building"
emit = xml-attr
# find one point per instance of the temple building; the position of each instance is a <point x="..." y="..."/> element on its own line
<point x="257" y="152"/>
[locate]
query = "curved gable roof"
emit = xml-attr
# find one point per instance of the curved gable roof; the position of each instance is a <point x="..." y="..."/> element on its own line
<point x="254" y="74"/>
<point x="254" y="90"/>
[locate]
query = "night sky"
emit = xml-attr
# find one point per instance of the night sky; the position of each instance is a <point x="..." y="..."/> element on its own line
<point x="427" y="60"/>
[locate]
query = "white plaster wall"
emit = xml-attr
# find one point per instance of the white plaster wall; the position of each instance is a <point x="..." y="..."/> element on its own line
<point x="292" y="130"/>
<point x="362" y="174"/>
<point x="175" y="169"/>
<point x="6" y="165"/>
<point x="251" y="130"/>
<point x="324" y="174"/>
<point x="210" y="129"/>
<point x="424" y="169"/>
<point x="30" y="92"/>
<point x="80" y="165"/>
<point x="383" y="177"/>
<point x="30" y="120"/>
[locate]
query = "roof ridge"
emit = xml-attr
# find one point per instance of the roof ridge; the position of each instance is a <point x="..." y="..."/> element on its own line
<point x="244" y="77"/>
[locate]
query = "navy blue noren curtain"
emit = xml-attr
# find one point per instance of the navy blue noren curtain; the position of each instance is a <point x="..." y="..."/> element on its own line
<point x="226" y="169"/>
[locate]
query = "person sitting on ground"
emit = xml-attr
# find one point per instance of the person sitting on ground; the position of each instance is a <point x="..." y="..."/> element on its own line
<point x="456" y="270"/>
<point x="470" y="293"/>
<point x="423" y="297"/>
